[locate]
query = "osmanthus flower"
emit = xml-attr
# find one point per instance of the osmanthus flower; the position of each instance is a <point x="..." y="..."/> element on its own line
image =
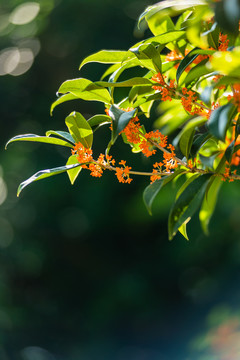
<point x="84" y="155"/>
<point x="122" y="173"/>
<point x="190" y="104"/>
<point x="223" y="42"/>
<point x="157" y="169"/>
<point x="147" y="144"/>
<point x="132" y="131"/>
<point x="169" y="159"/>
<point x="165" y="89"/>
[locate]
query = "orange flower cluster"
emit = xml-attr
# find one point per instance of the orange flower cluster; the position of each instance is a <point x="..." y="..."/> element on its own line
<point x="157" y="169"/>
<point x="173" y="56"/>
<point x="84" y="155"/>
<point x="227" y="174"/>
<point x="132" y="130"/>
<point x="164" y="88"/>
<point x="156" y="137"/>
<point x="188" y="102"/>
<point x="169" y="163"/>
<point x="223" y="42"/>
<point x="159" y="78"/>
<point x="169" y="159"/>
<point x="122" y="172"/>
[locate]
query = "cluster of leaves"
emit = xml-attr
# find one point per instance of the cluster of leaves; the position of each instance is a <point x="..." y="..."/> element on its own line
<point x="191" y="66"/>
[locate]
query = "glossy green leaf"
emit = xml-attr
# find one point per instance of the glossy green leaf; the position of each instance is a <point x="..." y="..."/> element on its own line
<point x="230" y="151"/>
<point x="209" y="202"/>
<point x="78" y="87"/>
<point x="188" y="59"/>
<point x="187" y="203"/>
<point x="178" y="5"/>
<point x="79" y="128"/>
<point x="160" y="25"/>
<point x="189" y="180"/>
<point x="139" y="81"/>
<point x="120" y="119"/>
<point x="196" y="73"/>
<point x="198" y="141"/>
<point x="185" y="137"/>
<point x="62" y="99"/>
<point x="162" y="39"/>
<point x="149" y="52"/>
<point x="62" y="134"/>
<point x="208" y="161"/>
<point x="74" y="172"/>
<point x="220" y="119"/>
<point x="44" y="174"/>
<point x="42" y="139"/>
<point x="107" y="57"/>
<point x="152" y="190"/>
<point x="183" y="230"/>
<point x="98" y="120"/>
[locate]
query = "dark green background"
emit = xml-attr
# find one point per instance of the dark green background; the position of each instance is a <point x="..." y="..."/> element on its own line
<point x="85" y="272"/>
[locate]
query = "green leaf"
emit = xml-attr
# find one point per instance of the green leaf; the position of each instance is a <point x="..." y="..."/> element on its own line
<point x="74" y="172"/>
<point x="208" y="161"/>
<point x="178" y="5"/>
<point x="209" y="202"/>
<point x="183" y="230"/>
<point x="153" y="189"/>
<point x="188" y="59"/>
<point x="62" y="134"/>
<point x="185" y="137"/>
<point x="230" y="151"/>
<point x="79" y="128"/>
<point x="44" y="174"/>
<point x="107" y="57"/>
<point x="120" y="119"/>
<point x="146" y="108"/>
<point x="162" y="39"/>
<point x="160" y="25"/>
<point x="190" y="178"/>
<point x="149" y="52"/>
<point x="220" y="119"/>
<point x="98" y="120"/>
<point x="196" y="73"/>
<point x="198" y="141"/>
<point x="62" y="99"/>
<point x="139" y="81"/>
<point x="187" y="203"/>
<point x="42" y="139"/>
<point x="78" y="87"/>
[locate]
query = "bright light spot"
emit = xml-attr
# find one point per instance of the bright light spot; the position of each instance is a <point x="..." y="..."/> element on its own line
<point x="14" y="61"/>
<point x="24" y="13"/>
<point x="33" y="44"/>
<point x="9" y="59"/>
<point x="3" y="191"/>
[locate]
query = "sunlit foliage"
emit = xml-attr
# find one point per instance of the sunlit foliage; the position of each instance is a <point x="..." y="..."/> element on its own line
<point x="190" y="67"/>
